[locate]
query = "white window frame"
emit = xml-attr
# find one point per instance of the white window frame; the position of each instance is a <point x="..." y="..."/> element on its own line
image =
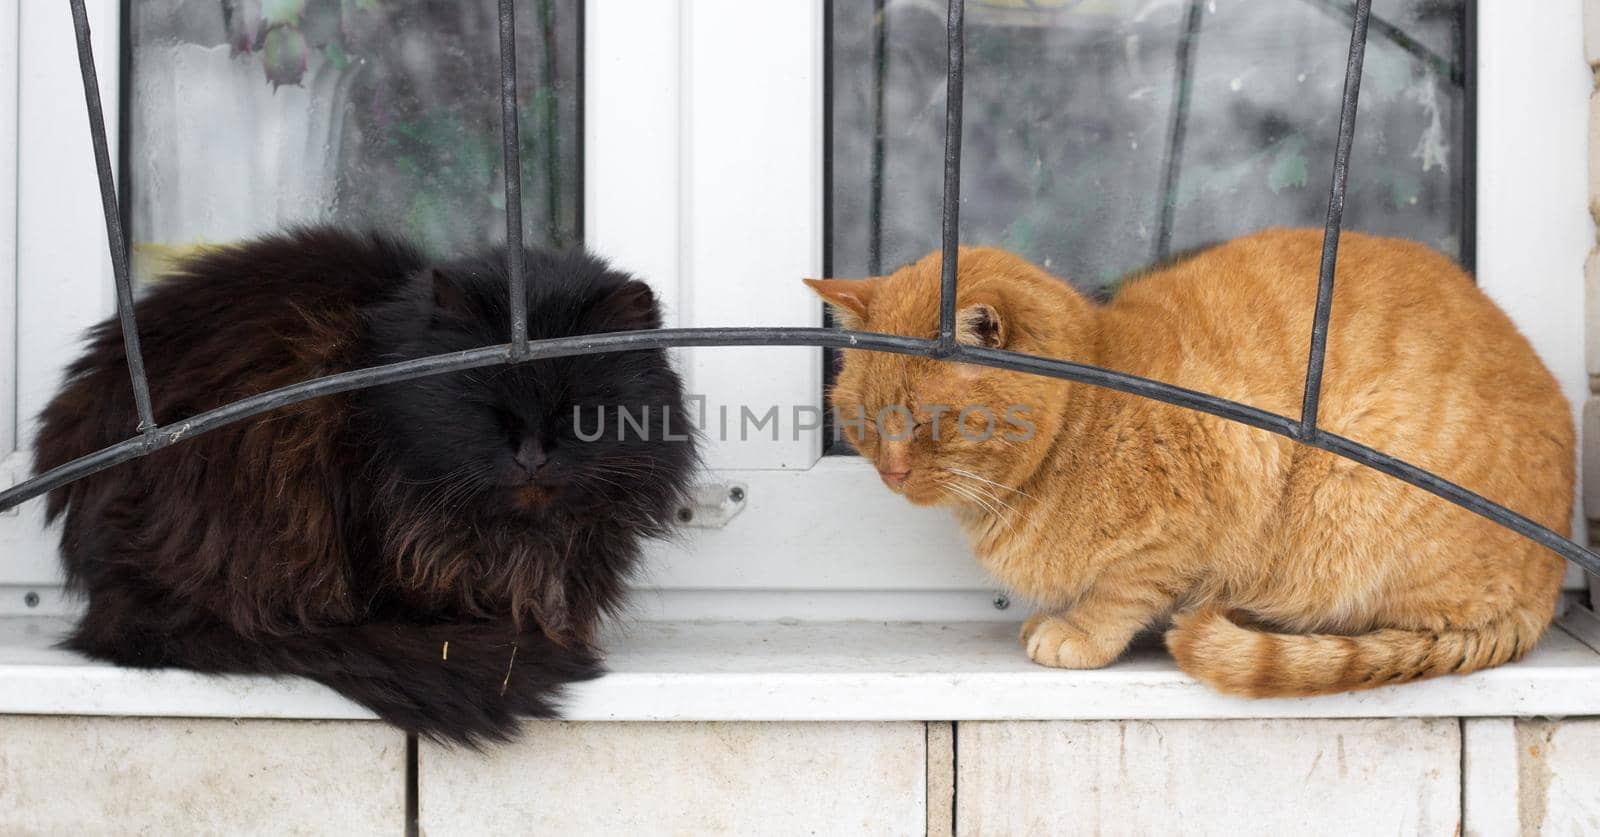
<point x="59" y="245"/>
<point x="703" y="154"/>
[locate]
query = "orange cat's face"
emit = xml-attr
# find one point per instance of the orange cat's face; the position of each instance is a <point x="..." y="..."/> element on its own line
<point x="944" y="432"/>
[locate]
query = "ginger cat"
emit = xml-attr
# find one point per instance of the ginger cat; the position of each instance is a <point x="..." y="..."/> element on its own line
<point x="1285" y="570"/>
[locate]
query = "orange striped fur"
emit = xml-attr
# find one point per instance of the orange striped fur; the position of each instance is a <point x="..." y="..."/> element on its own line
<point x="1284" y="570"/>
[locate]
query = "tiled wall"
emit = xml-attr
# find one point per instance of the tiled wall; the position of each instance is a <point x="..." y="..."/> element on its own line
<point x="1492" y="776"/>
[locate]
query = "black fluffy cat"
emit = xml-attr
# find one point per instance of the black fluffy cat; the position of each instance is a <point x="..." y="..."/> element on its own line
<point x="440" y="551"/>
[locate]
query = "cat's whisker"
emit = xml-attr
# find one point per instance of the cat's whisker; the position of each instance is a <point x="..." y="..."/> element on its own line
<point x="453" y="473"/>
<point x="971" y="476"/>
<point x="976" y="487"/>
<point x="971" y="493"/>
<point x="997" y="508"/>
<point x="996" y="516"/>
<point x="451" y="497"/>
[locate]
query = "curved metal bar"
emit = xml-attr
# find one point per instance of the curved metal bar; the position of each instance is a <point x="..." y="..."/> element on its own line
<point x="822" y="337"/>
<point x="114" y="236"/>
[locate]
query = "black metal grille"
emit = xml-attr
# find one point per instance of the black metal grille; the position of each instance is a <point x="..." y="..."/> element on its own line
<point x="1303" y="430"/>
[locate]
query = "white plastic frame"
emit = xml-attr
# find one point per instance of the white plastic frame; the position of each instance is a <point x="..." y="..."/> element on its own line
<point x="57" y="266"/>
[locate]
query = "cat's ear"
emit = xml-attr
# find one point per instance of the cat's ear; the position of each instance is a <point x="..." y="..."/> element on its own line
<point x="848" y="297"/>
<point x="980" y="325"/>
<point x="631" y="307"/>
<point x="447" y="297"/>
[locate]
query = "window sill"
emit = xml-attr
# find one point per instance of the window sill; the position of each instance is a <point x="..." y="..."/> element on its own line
<point x="860" y="671"/>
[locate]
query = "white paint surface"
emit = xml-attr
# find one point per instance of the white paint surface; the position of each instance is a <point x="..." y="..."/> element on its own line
<point x="632" y="156"/>
<point x="108" y="776"/>
<point x="846" y="671"/>
<point x="1534" y="228"/>
<point x="833" y="527"/>
<point x="751" y="220"/>
<point x="1334" y="777"/>
<point x="605" y="779"/>
<point x="10" y="19"/>
<point x="63" y="265"/>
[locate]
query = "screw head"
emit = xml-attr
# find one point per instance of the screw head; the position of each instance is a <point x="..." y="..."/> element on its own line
<point x="31" y="599"/>
<point x="736" y="494"/>
<point x="1001" y="601"/>
<point x="685" y="514"/>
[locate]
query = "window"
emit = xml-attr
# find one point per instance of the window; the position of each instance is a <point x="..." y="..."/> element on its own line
<point x="702" y="169"/>
<point x="1076" y="134"/>
<point x="1082" y="155"/>
<point x="237" y="119"/>
<point x="382" y="115"/>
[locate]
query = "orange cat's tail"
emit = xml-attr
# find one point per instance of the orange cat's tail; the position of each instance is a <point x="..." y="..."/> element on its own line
<point x="1240" y="661"/>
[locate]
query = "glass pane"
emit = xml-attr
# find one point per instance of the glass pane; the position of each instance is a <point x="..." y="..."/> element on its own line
<point x="248" y="115"/>
<point x="1070" y="107"/>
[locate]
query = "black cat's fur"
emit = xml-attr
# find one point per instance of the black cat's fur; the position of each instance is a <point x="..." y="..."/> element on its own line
<point x="440" y="550"/>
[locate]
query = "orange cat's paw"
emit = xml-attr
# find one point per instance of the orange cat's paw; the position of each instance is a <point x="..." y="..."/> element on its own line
<point x="1029" y="626"/>
<point x="1056" y="642"/>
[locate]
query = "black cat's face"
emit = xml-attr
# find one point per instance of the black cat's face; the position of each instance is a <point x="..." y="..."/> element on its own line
<point x="542" y="439"/>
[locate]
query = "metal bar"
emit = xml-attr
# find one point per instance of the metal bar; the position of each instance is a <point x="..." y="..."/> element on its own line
<point x="580" y="93"/>
<point x="1330" y="234"/>
<point x="1467" y="175"/>
<point x="548" y="117"/>
<point x="827" y="338"/>
<point x="513" y="169"/>
<point x="955" y="37"/>
<point x="113" y="213"/>
<point x="880" y="72"/>
<point x="1180" y="120"/>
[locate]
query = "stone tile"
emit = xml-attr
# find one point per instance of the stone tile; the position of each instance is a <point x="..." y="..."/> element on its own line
<point x="1590" y="479"/>
<point x="681" y="778"/>
<point x="1268" y="777"/>
<point x="107" y="776"/>
<point x="1594" y="154"/>
<point x="1531" y="776"/>
<point x="1591" y="314"/>
<point x="1591" y="31"/>
<point x="941" y="779"/>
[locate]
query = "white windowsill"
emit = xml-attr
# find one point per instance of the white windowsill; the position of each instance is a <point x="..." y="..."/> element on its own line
<point x="822" y="672"/>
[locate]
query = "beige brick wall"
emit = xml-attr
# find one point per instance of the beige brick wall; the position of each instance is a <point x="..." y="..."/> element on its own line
<point x="111" y="776"/>
<point x="1480" y="776"/>
<point x="1530" y="776"/>
<point x="682" y="778"/>
<point x="1241" y="777"/>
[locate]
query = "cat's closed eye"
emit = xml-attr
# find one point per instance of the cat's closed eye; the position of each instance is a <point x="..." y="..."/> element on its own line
<point x="505" y="420"/>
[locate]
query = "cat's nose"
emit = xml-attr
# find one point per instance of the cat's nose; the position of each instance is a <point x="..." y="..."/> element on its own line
<point x="531" y="456"/>
<point x="894" y="479"/>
